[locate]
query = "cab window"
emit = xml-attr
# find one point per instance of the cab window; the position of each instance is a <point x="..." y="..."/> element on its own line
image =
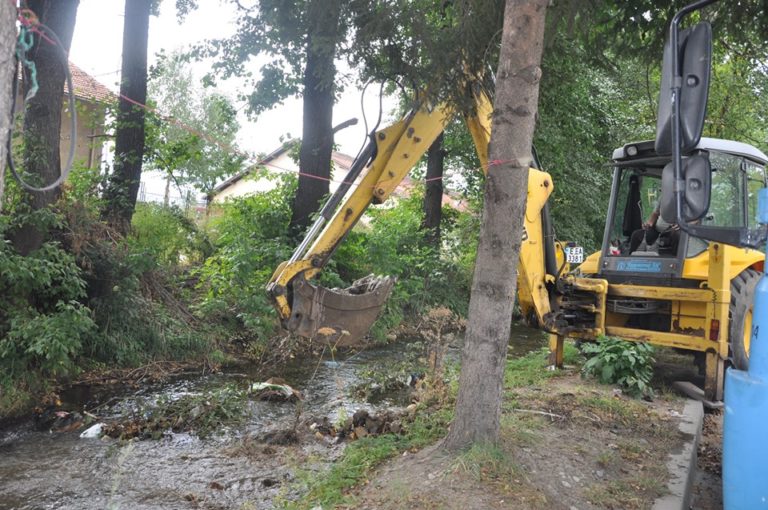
<point x="755" y="181"/>
<point x="727" y="206"/>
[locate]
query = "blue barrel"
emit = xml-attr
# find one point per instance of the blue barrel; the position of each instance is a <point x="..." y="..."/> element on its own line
<point x="745" y="426"/>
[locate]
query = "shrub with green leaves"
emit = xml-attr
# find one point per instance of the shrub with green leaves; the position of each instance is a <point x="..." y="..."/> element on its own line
<point x="43" y="324"/>
<point x="166" y="235"/>
<point x="250" y="238"/>
<point x="393" y="243"/>
<point x="615" y="361"/>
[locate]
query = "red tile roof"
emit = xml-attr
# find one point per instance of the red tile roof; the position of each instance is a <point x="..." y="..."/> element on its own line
<point x="86" y="86"/>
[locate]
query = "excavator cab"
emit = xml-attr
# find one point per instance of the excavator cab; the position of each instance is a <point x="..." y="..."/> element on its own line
<point x="639" y="243"/>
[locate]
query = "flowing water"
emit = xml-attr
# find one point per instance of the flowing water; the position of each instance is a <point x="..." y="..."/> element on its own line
<point x="43" y="470"/>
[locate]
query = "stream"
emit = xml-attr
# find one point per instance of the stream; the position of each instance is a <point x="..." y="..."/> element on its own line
<point x="44" y="470"/>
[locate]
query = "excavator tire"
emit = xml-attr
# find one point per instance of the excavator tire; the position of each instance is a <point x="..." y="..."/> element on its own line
<point x="740" y="317"/>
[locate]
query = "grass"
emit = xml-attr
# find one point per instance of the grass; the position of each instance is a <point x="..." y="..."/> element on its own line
<point x="486" y="462"/>
<point x="624" y="493"/>
<point x="521" y="429"/>
<point x="531" y="369"/>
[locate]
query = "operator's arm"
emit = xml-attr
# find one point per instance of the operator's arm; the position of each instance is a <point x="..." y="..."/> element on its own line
<point x="652" y="219"/>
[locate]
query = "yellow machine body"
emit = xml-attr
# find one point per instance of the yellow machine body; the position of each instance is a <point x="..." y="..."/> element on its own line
<point x="566" y="304"/>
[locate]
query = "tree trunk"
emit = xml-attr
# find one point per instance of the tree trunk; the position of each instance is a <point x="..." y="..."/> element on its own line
<point x="167" y="195"/>
<point x="433" y="195"/>
<point x="123" y="188"/>
<point x="42" y="119"/>
<point x="481" y="382"/>
<point x="317" y="131"/>
<point x="7" y="75"/>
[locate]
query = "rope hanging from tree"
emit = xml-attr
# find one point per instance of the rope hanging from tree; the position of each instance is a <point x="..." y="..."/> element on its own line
<point x="30" y="25"/>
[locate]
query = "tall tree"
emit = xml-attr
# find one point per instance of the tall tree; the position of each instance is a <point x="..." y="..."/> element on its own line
<point x="123" y="187"/>
<point x="478" y="405"/>
<point x="42" y="119"/>
<point x="198" y="158"/>
<point x="302" y="39"/>
<point x="323" y="35"/>
<point x="7" y="74"/>
<point x="433" y="195"/>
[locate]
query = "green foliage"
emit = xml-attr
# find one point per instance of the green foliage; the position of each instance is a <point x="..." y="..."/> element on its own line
<point x="88" y="296"/>
<point x="432" y="45"/>
<point x="42" y="322"/>
<point x="250" y="237"/>
<point x="278" y="32"/>
<point x="615" y="361"/>
<point x="393" y="244"/>
<point x="46" y="342"/>
<point x="167" y="235"/>
<point x="202" y="414"/>
<point x="201" y="157"/>
<point x="581" y="121"/>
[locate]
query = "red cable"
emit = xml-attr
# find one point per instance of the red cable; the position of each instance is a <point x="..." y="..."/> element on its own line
<point x="28" y="18"/>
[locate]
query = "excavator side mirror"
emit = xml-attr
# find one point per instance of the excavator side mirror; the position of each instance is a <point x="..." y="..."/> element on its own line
<point x="697" y="179"/>
<point x="694" y="64"/>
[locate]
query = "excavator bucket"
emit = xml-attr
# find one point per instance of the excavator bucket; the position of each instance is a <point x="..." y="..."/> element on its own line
<point x="338" y="317"/>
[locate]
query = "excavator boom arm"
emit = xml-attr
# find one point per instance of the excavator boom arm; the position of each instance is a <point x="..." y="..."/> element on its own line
<point x="343" y="317"/>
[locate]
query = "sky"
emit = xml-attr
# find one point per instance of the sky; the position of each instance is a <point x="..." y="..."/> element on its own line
<point x="97" y="48"/>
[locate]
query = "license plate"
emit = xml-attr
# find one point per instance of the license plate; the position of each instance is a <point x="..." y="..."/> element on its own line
<point x="574" y="254"/>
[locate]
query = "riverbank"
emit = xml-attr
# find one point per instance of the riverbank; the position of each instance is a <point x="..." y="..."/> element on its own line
<point x="355" y="440"/>
<point x="566" y="443"/>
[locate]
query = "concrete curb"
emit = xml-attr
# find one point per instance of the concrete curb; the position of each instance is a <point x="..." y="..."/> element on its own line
<point x="682" y="465"/>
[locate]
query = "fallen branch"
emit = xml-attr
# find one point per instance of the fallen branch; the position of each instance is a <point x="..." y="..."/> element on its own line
<point x="543" y="413"/>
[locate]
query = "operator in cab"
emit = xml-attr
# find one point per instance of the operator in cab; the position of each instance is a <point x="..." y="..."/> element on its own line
<point x="656" y="228"/>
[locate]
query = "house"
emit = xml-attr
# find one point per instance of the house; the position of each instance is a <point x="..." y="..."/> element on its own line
<point x="91" y="100"/>
<point x="278" y="161"/>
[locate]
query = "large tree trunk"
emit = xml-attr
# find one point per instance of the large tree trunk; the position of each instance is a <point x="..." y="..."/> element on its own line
<point x="42" y="120"/>
<point x="433" y="195"/>
<point x="123" y="185"/>
<point x="7" y="74"/>
<point x="478" y="405"/>
<point x="317" y="132"/>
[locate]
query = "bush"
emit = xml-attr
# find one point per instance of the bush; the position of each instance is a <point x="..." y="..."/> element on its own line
<point x="42" y="321"/>
<point x="166" y="235"/>
<point x="615" y="361"/>
<point x="250" y="238"/>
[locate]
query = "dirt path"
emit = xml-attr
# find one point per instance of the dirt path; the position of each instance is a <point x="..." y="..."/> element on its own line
<point x="708" y="486"/>
<point x="567" y="444"/>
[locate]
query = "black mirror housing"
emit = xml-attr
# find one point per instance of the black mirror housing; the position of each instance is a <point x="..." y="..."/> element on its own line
<point x="695" y="49"/>
<point x="697" y="176"/>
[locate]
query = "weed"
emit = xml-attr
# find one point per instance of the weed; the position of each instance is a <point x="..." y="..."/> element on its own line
<point x="630" y="493"/>
<point x="521" y="429"/>
<point x="606" y="458"/>
<point x="484" y="462"/>
<point x="202" y="414"/>
<point x="616" y="361"/>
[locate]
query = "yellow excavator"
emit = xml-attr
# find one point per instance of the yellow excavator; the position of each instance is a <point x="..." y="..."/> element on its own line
<point x="665" y="286"/>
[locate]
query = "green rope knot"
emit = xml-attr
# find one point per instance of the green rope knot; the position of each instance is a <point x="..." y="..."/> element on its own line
<point x="23" y="45"/>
